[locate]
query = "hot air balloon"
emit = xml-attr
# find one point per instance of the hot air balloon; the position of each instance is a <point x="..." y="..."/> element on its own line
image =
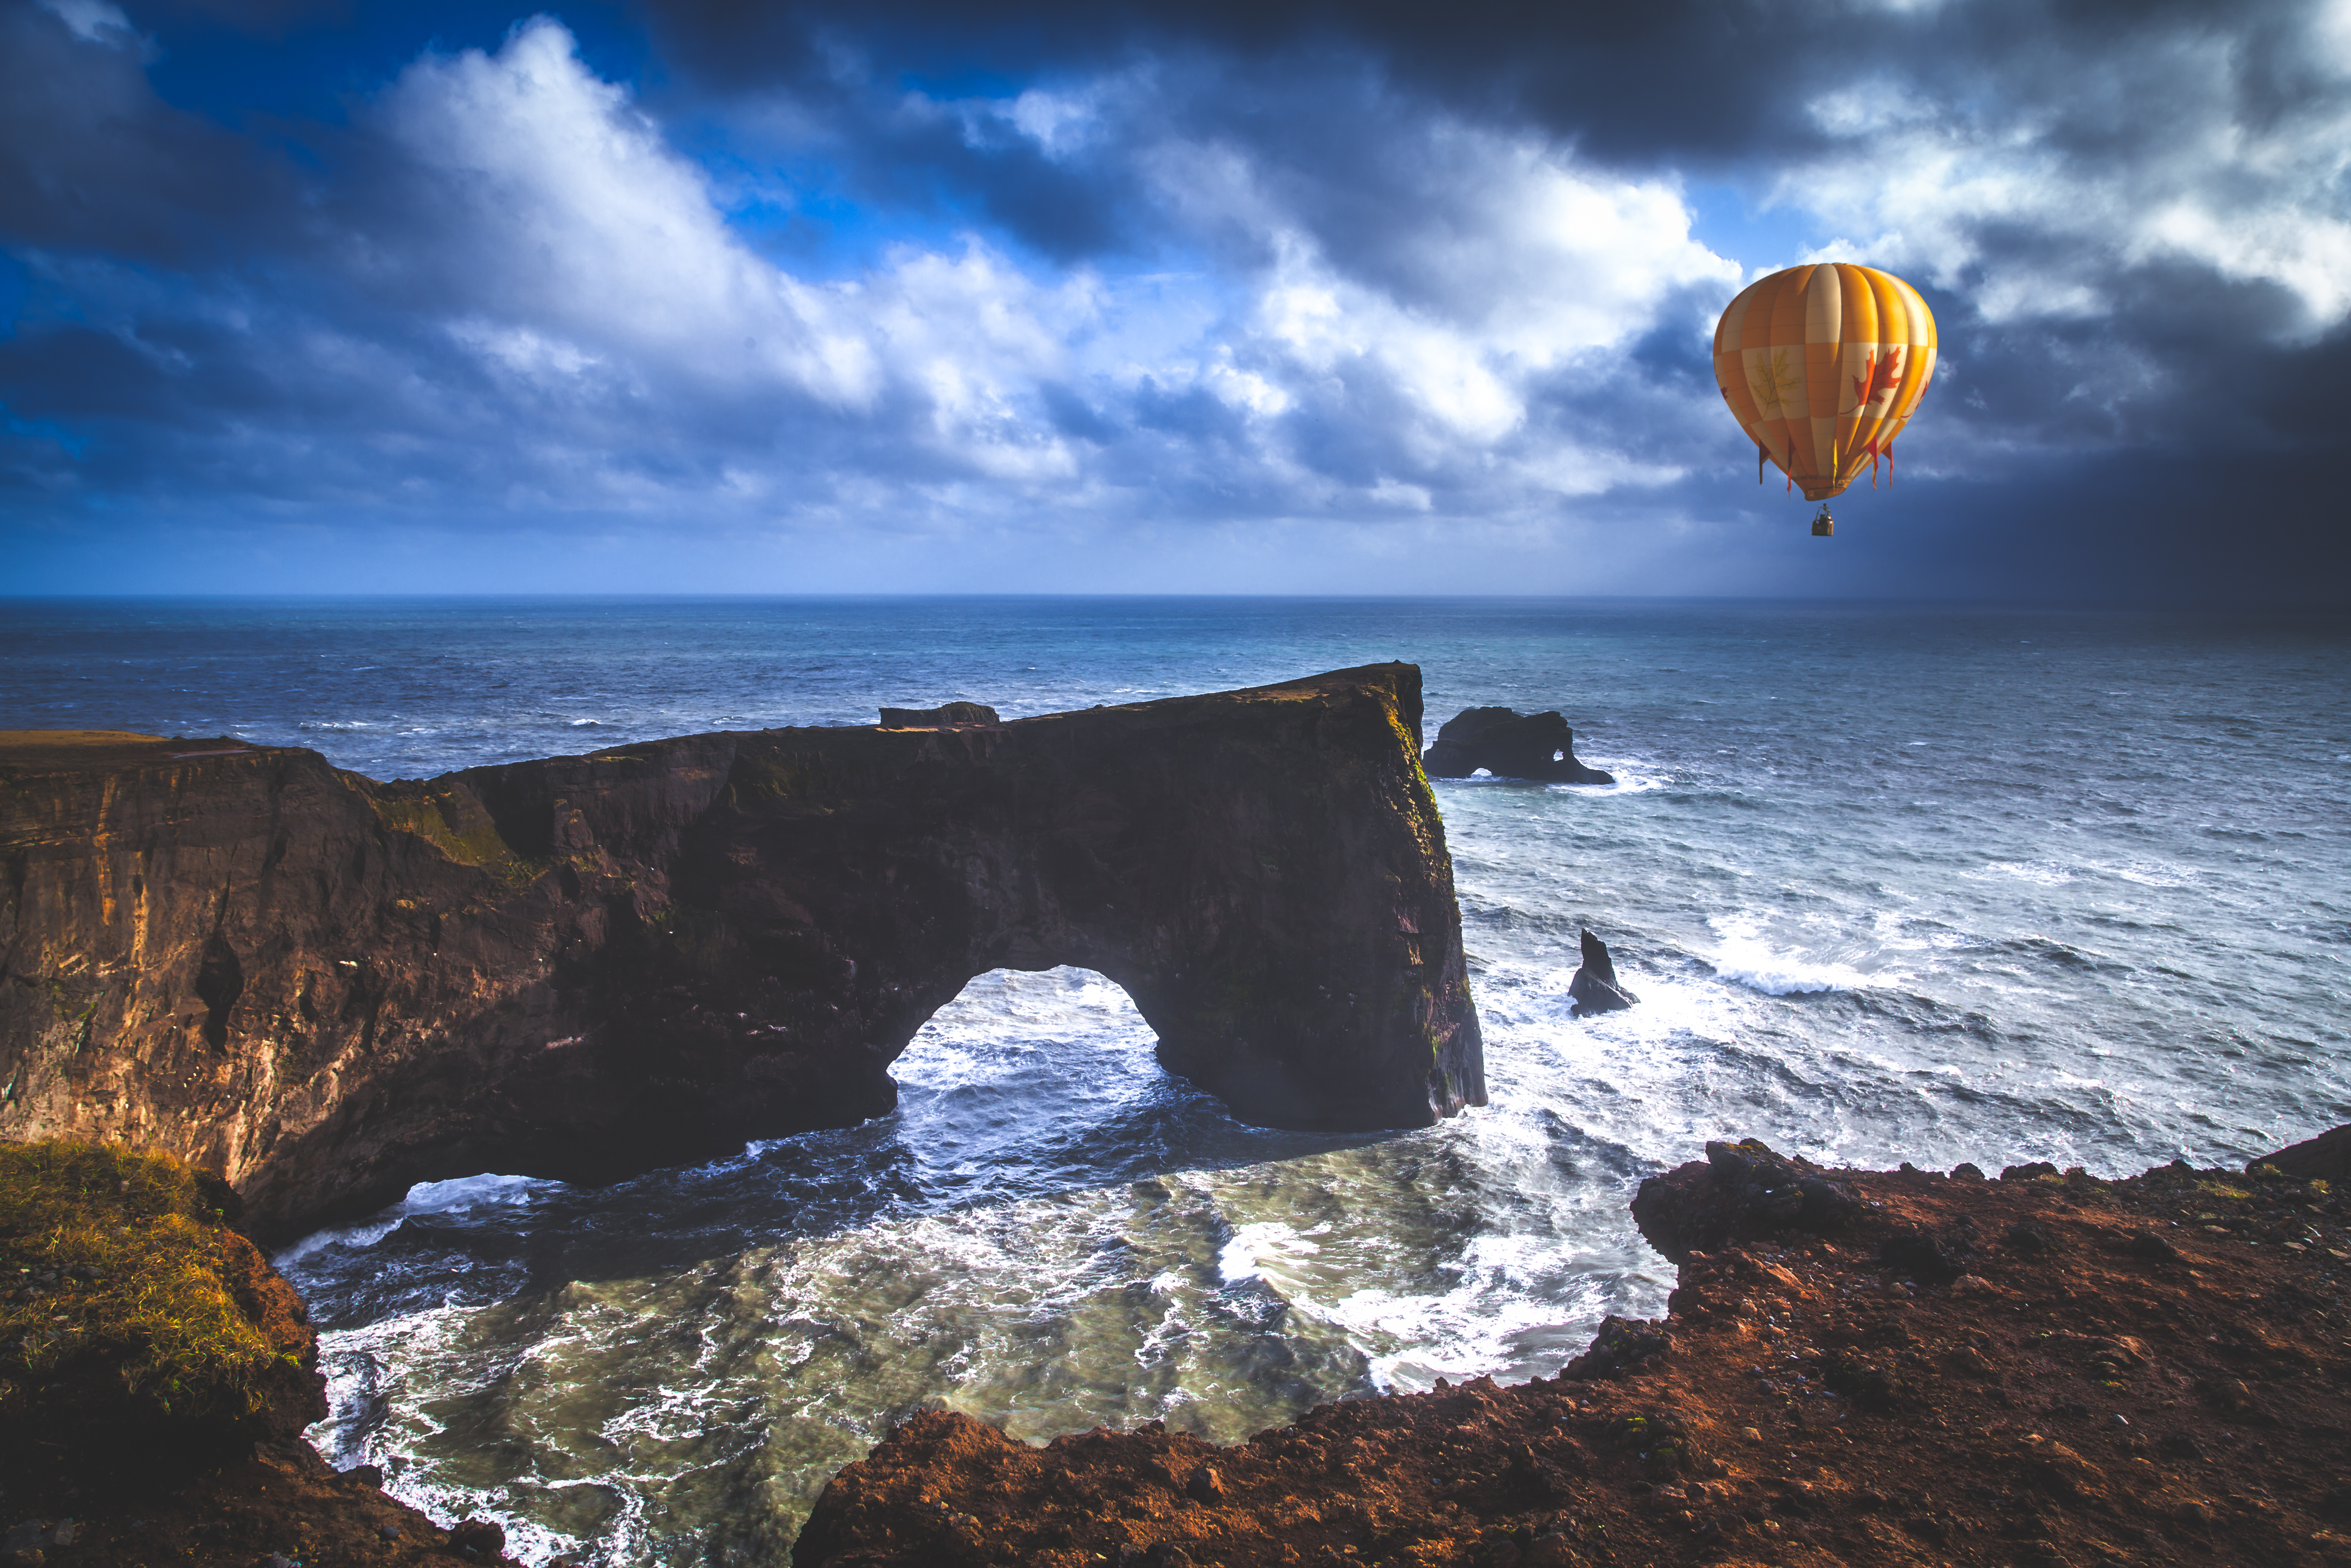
<point x="1822" y="365"/>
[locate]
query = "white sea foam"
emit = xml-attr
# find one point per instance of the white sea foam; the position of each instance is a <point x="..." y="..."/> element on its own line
<point x="2153" y="874"/>
<point x="1503" y="1289"/>
<point x="1633" y="777"/>
<point x="455" y="1196"/>
<point x="1256" y="1248"/>
<point x="2046" y="873"/>
<point x="1745" y="959"/>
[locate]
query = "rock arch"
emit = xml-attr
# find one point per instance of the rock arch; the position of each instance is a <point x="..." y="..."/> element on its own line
<point x="589" y="967"/>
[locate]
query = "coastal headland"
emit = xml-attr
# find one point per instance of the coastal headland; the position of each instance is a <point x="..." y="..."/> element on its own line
<point x="323" y="987"/>
<point x="227" y="961"/>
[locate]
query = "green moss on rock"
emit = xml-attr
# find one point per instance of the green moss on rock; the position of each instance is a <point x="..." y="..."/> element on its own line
<point x="453" y="822"/>
<point x="128" y="1303"/>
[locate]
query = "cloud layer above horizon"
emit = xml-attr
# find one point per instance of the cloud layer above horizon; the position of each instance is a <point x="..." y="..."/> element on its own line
<point x="1210" y="296"/>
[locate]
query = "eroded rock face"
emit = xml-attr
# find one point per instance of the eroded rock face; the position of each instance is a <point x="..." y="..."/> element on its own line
<point x="1594" y="989"/>
<point x="326" y="987"/>
<point x="2326" y="1157"/>
<point x="1510" y="746"/>
<point x="1744" y="1190"/>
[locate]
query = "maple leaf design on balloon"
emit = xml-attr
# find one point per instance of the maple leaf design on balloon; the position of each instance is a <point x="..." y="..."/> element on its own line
<point x="1772" y="382"/>
<point x="1877" y="380"/>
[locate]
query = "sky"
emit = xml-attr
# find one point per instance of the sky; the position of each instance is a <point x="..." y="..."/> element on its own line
<point x="1158" y="296"/>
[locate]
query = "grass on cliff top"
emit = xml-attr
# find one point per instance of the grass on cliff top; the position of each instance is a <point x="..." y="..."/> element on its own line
<point x="114" y="1255"/>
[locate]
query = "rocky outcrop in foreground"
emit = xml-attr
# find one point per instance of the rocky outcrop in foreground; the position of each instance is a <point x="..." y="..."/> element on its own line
<point x="324" y="987"/>
<point x="1858" y="1367"/>
<point x="1509" y="745"/>
<point x="1886" y="1368"/>
<point x="156" y="1376"/>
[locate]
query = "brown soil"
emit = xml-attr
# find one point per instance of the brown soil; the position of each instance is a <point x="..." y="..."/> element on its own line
<point x="2059" y="1371"/>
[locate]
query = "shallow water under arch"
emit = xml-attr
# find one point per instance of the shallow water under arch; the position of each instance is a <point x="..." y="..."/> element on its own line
<point x="1049" y="1233"/>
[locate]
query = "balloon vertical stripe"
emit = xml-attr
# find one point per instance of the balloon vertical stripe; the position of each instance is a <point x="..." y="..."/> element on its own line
<point x="1822" y="366"/>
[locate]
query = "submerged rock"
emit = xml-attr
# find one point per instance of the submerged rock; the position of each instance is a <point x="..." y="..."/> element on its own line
<point x="1594" y="989"/>
<point x="1509" y="746"/>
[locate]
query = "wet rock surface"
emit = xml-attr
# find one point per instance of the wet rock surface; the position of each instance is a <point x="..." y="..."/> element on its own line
<point x="1594" y="989"/>
<point x="1509" y="745"/>
<point x="2071" y="1397"/>
<point x="326" y="987"/>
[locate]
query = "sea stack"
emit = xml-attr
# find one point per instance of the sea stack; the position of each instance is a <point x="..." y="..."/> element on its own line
<point x="1509" y="746"/>
<point x="1594" y="989"/>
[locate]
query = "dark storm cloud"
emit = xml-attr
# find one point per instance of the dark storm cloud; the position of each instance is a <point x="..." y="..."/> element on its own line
<point x="2110" y="339"/>
<point x="91" y="160"/>
<point x="1678" y="80"/>
<point x="1388" y="267"/>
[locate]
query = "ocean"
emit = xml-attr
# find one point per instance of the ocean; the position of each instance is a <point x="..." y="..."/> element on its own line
<point x="1892" y="882"/>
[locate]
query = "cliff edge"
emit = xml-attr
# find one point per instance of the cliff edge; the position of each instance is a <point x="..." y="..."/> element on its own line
<point x="1881" y="1368"/>
<point x="324" y="987"/>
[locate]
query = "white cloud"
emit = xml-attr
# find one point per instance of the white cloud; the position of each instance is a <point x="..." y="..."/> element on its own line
<point x="2330" y="35"/>
<point x="591" y="267"/>
<point x="590" y="251"/>
<point x="93" y="21"/>
<point x="1949" y="175"/>
<point x="1517" y="269"/>
<point x="584" y="227"/>
<point x="1059" y="123"/>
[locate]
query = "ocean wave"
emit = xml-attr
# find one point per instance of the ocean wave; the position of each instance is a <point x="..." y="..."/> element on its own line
<point x="1633" y="777"/>
<point x="1744" y="958"/>
<point x="2153" y="874"/>
<point x="2043" y="873"/>
<point x="461" y="1195"/>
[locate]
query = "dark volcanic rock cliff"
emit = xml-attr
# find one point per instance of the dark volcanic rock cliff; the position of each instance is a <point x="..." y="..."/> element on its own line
<point x="326" y="987"/>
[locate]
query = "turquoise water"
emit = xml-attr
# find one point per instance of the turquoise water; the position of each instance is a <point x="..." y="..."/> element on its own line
<point x="1892" y="883"/>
